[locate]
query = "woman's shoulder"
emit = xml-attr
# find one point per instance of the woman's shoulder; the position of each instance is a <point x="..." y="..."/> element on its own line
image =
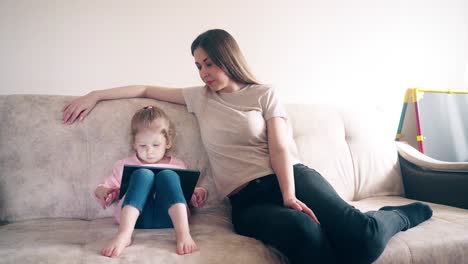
<point x="262" y="89"/>
<point x="195" y="89"/>
<point x="194" y="97"/>
<point x="262" y="86"/>
<point x="265" y="92"/>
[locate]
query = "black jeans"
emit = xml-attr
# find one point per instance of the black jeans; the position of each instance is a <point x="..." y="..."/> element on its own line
<point x="345" y="235"/>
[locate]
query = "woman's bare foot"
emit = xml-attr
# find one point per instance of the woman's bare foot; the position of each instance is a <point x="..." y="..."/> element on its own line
<point x="185" y="243"/>
<point x="115" y="247"/>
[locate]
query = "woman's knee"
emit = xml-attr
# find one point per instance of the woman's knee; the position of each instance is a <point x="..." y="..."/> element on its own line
<point x="373" y="247"/>
<point x="307" y="242"/>
<point x="294" y="229"/>
<point x="306" y="230"/>
<point x="369" y="246"/>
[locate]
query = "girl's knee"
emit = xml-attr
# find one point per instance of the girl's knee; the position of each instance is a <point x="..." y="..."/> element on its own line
<point x="143" y="174"/>
<point x="167" y="176"/>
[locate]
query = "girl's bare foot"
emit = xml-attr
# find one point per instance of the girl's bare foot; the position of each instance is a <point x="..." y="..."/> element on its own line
<point x="115" y="247"/>
<point x="185" y="244"/>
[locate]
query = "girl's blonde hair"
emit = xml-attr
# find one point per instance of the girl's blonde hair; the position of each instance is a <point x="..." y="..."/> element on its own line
<point x="223" y="50"/>
<point x="144" y="119"/>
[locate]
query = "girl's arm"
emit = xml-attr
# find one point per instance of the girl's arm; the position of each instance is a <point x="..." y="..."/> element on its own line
<point x="80" y="107"/>
<point x="282" y="165"/>
<point x="108" y="191"/>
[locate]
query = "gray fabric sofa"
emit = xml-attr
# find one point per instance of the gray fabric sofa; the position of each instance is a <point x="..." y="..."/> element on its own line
<point x="49" y="170"/>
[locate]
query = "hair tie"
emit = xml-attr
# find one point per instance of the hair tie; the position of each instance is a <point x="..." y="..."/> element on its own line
<point x="148" y="107"/>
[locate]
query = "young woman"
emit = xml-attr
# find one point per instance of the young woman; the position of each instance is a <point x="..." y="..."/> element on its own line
<point x="251" y="151"/>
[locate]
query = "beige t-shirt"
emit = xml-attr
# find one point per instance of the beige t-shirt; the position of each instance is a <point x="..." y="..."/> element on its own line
<point x="233" y="131"/>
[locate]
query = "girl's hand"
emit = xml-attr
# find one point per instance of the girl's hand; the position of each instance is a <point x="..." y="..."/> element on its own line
<point x="102" y="191"/>
<point x="106" y="195"/>
<point x="296" y="204"/>
<point x="79" y="108"/>
<point x="199" y="197"/>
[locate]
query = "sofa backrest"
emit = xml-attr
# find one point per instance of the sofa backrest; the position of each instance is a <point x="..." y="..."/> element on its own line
<point x="49" y="169"/>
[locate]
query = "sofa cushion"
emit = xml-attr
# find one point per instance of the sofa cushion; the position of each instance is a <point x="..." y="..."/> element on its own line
<point x="370" y="138"/>
<point x="352" y="148"/>
<point x="441" y="239"/>
<point x="71" y="241"/>
<point x="44" y="163"/>
<point x="320" y="135"/>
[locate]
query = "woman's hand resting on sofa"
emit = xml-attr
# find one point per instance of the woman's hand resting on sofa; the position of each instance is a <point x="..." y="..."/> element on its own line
<point x="79" y="108"/>
<point x="296" y="204"/>
<point x="199" y="196"/>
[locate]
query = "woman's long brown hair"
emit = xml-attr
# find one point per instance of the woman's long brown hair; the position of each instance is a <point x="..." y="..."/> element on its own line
<point x="224" y="51"/>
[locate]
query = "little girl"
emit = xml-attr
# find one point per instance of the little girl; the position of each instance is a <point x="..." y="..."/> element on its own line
<point x="151" y="201"/>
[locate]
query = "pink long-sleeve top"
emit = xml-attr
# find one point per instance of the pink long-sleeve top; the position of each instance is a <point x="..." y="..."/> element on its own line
<point x="115" y="179"/>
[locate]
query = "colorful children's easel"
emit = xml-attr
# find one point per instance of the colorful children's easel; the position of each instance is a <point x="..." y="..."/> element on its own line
<point x="436" y="123"/>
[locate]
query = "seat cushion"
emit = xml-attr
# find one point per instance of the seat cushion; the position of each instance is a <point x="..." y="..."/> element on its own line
<point x="61" y="240"/>
<point x="441" y="239"/>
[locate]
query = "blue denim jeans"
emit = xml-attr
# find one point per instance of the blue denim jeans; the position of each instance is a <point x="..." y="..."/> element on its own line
<point x="153" y="195"/>
<point x="345" y="234"/>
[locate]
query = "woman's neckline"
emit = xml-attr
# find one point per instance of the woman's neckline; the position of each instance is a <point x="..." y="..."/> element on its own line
<point x="241" y="90"/>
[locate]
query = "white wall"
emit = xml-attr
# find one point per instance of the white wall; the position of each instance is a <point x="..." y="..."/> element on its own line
<point x="325" y="51"/>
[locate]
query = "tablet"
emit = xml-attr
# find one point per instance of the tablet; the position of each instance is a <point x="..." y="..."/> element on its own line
<point x="188" y="178"/>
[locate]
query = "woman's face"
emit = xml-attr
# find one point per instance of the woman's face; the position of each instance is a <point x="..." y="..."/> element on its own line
<point x="211" y="74"/>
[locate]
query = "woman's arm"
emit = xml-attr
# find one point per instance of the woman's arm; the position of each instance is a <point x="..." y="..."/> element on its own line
<point x="280" y="159"/>
<point x="80" y="107"/>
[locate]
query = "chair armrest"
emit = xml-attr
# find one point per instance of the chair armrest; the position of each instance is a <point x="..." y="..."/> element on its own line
<point x="428" y="179"/>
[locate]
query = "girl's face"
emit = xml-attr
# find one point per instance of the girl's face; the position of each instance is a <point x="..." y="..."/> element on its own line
<point x="150" y="145"/>
<point x="212" y="75"/>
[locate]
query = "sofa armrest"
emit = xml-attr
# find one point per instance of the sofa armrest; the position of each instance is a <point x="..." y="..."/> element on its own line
<point x="432" y="180"/>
